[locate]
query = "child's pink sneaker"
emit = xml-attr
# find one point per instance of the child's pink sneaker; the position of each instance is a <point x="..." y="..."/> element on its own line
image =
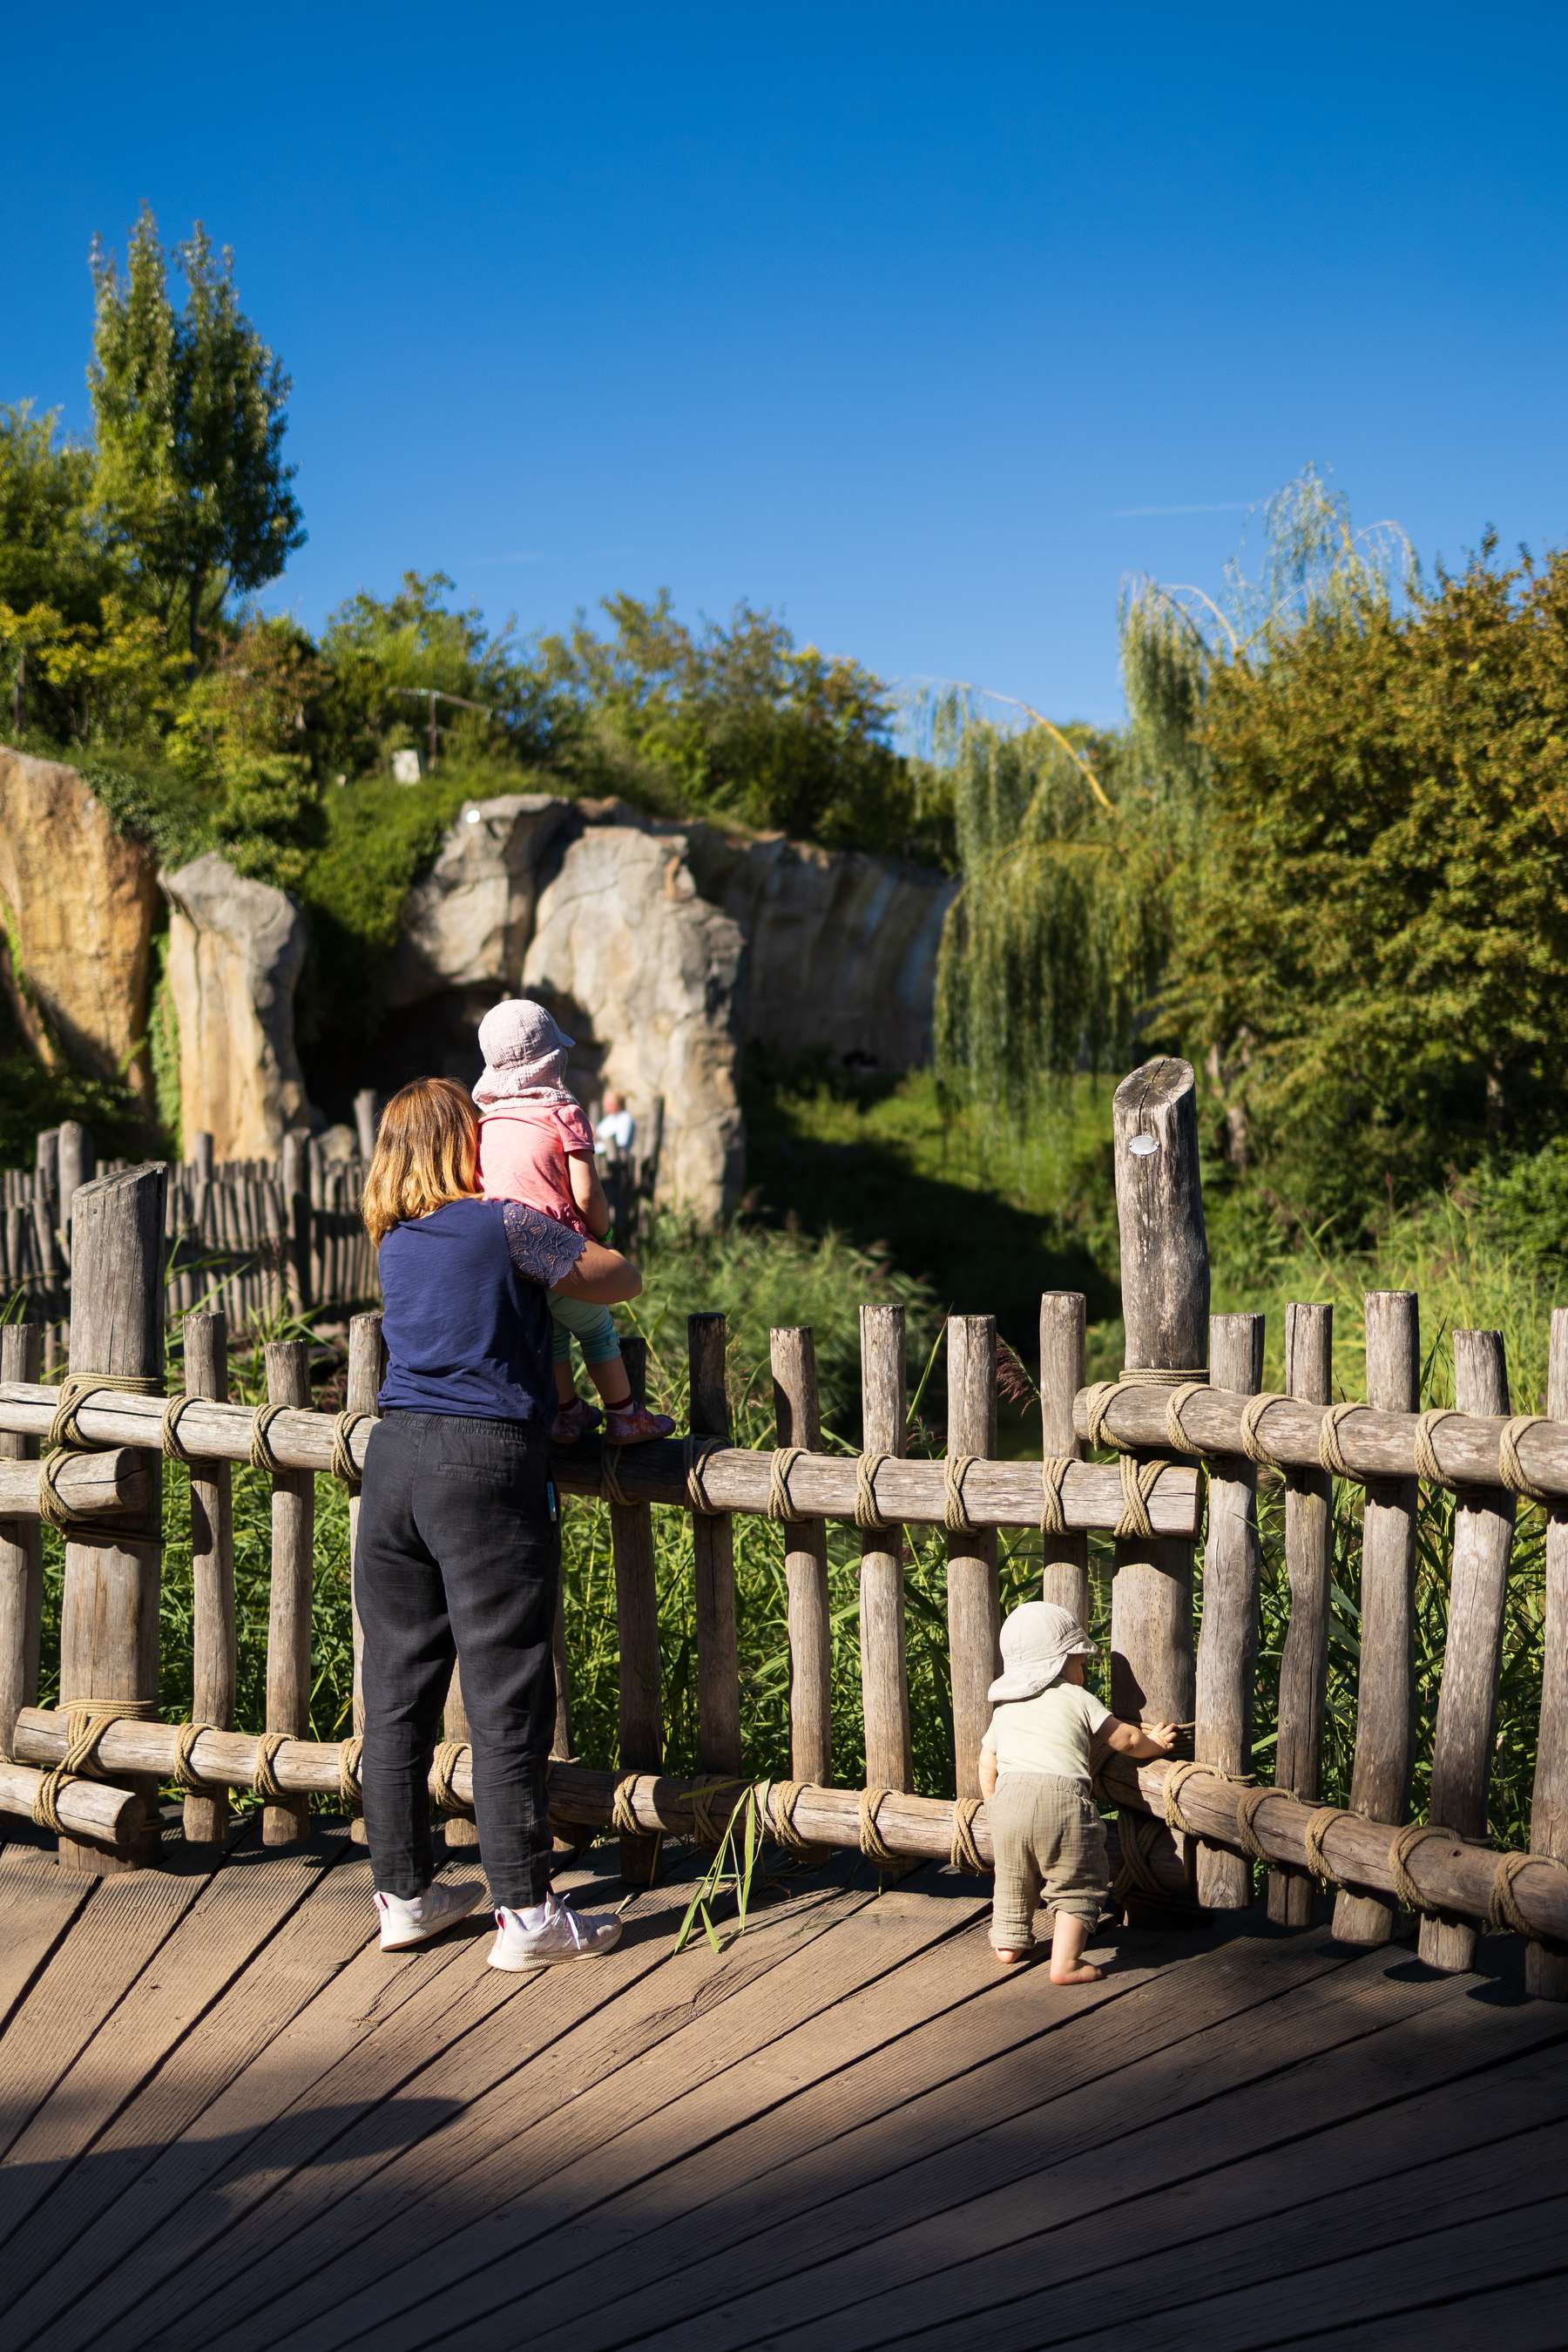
<point x="632" y="1424"/>
<point x="574" y="1420"/>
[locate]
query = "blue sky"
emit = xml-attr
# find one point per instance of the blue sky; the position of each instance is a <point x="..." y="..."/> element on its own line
<point x="924" y="325"/>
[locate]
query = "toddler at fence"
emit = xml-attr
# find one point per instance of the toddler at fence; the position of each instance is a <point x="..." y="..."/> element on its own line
<point x="535" y="1145"/>
<point x="1045" y="1830"/>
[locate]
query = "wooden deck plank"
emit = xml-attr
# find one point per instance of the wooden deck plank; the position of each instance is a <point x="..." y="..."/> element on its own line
<point x="690" y="2180"/>
<point x="593" y="2079"/>
<point x="1237" y="2194"/>
<point x="88" y="1974"/>
<point x="822" y="2221"/>
<point x="238" y="1910"/>
<point x="39" y="1902"/>
<point x="267" y="1962"/>
<point x="1525" y="2314"/>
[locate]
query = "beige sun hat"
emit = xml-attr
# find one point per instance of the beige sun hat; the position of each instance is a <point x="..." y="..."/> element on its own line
<point x="524" y="1047"/>
<point x="1037" y="1640"/>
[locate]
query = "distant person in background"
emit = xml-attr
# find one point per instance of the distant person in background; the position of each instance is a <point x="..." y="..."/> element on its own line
<point x="618" y="1129"/>
<point x="535" y="1145"/>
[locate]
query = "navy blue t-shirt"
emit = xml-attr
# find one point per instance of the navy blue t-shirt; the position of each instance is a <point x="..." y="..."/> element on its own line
<point x="464" y="1311"/>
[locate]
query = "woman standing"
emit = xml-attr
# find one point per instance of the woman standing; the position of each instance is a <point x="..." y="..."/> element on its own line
<point x="460" y="1542"/>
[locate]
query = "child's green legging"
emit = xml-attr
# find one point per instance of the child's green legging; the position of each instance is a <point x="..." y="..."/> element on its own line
<point x="592" y="1327"/>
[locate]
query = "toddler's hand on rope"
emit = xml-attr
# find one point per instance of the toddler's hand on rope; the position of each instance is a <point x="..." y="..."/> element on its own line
<point x="1164" y="1736"/>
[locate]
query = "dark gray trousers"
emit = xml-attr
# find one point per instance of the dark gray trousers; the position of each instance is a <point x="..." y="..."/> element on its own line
<point x="459" y="1554"/>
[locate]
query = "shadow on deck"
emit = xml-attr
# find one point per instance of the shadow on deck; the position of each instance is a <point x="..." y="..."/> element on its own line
<point x="226" y="2119"/>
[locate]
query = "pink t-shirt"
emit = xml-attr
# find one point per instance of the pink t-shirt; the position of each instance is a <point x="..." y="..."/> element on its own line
<point x="523" y="1150"/>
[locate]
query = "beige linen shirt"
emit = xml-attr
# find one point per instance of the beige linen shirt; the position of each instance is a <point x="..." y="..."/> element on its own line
<point x="1049" y="1732"/>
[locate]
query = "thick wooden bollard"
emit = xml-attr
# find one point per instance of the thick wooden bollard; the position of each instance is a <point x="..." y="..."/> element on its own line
<point x="1385" y="1696"/>
<point x="713" y="1548"/>
<point x="1546" y="1968"/>
<point x="1165" y="1304"/>
<point x="214" y="1660"/>
<point x="21" y="1550"/>
<point x="458" y="1830"/>
<point x="1064" y="1558"/>
<point x="362" y="1387"/>
<point x="973" y="1611"/>
<point x="293" y="1582"/>
<point x="797" y="1414"/>
<point x="1228" y="1643"/>
<point x="109" y="1613"/>
<point x="1472" y="1656"/>
<point x="640" y="1724"/>
<point x="884" y="1666"/>
<point x="1309" y="1563"/>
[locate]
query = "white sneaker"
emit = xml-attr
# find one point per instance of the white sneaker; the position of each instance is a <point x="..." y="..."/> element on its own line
<point x="560" y="1936"/>
<point x="405" y="1922"/>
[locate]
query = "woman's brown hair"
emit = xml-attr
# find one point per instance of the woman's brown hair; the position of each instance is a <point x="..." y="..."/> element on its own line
<point x="426" y="1153"/>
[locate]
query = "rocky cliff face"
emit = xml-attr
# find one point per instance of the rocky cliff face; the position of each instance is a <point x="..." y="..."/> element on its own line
<point x="235" y="947"/>
<point x="78" y="906"/>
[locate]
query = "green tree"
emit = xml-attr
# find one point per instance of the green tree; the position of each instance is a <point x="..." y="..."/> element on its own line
<point x="190" y="406"/>
<point x="244" y="730"/>
<point x="54" y="568"/>
<point x="387" y="655"/>
<point x="1370" y="950"/>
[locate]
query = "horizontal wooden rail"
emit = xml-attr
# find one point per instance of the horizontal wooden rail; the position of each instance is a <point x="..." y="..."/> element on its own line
<point x="822" y="1486"/>
<point x="85" y="1484"/>
<point x="90" y="1810"/>
<point x="917" y="1828"/>
<point x="1448" y="1872"/>
<point x="1466" y="1447"/>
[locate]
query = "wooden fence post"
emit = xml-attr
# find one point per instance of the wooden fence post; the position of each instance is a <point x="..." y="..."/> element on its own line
<point x="293" y="1579"/>
<point x="884" y="1668"/>
<point x="713" y="1549"/>
<point x="1546" y="1969"/>
<point x="109" y="1613"/>
<point x="214" y="1663"/>
<point x="21" y="1550"/>
<point x="1064" y="1577"/>
<point x="360" y="1393"/>
<point x="797" y="1414"/>
<point x="973" y="1609"/>
<point x="1386" y="1695"/>
<point x="367" y="1118"/>
<point x="640" y="1719"/>
<point x="1164" y="1305"/>
<point x="76" y="1165"/>
<point x="457" y="1829"/>
<point x="294" y="1175"/>
<point x="1308" y="1564"/>
<point x="1228" y="1640"/>
<point x="1472" y="1655"/>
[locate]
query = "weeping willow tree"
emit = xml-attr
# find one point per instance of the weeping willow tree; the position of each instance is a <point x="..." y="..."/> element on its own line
<point x="1072" y="845"/>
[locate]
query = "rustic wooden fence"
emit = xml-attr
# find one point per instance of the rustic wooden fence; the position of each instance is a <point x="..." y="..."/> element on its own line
<point x="1189" y="1831"/>
<point x="255" y="1239"/>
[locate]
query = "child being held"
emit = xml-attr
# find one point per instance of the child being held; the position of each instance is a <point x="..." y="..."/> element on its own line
<point x="535" y="1145"/>
<point x="1045" y="1830"/>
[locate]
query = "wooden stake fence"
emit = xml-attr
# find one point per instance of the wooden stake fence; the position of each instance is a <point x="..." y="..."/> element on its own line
<point x="1190" y="1396"/>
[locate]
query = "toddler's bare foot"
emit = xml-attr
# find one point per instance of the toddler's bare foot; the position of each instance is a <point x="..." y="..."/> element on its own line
<point x="1083" y="1973"/>
<point x="1008" y="1959"/>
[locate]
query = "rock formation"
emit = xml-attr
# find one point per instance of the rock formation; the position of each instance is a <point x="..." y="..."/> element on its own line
<point x="78" y="905"/>
<point x="235" y="947"/>
<point x="469" y="921"/>
<point x="644" y="972"/>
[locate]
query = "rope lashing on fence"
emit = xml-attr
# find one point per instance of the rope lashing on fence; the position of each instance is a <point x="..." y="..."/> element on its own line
<point x="186" y="1775"/>
<point x="873" y="1844"/>
<point x="867" y="1513"/>
<point x="1427" y="1465"/>
<point x="350" y="1787"/>
<point x="87" y="1720"/>
<point x="262" y="1457"/>
<point x="1247" y="1809"/>
<point x="443" y="1765"/>
<point x="779" y="1800"/>
<point x="344" y="1467"/>
<point x="1139" y="1480"/>
<point x="610" y="1488"/>
<point x="1176" y="1435"/>
<point x="698" y="1450"/>
<point x="1401" y="1846"/>
<point x="65" y="1439"/>
<point x="1330" y="1452"/>
<point x="1053" y="1509"/>
<point x="1252" y="1417"/>
<point x="169" y="1438"/>
<point x="52" y="1505"/>
<point x="781" y="1502"/>
<point x="1101" y="1396"/>
<point x="1137" y="1834"/>
<point x="264" y="1774"/>
<point x="623" y="1807"/>
<point x="707" y="1826"/>
<point x="1511" y="1472"/>
<point x="1314" y="1831"/>
<point x="955" y="1515"/>
<point x="965" y="1854"/>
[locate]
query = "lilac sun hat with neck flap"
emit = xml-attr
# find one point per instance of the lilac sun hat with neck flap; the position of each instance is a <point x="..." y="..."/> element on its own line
<point x="524" y="1048"/>
<point x="1037" y="1640"/>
